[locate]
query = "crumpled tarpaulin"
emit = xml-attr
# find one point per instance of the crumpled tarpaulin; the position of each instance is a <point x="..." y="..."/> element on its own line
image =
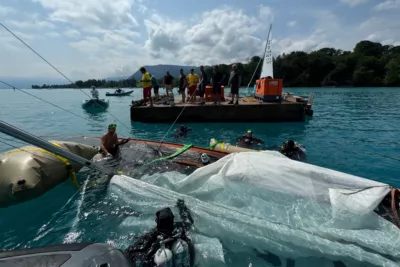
<point x="259" y="204"/>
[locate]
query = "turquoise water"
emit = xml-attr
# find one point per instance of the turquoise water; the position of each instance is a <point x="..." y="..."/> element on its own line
<point x="353" y="130"/>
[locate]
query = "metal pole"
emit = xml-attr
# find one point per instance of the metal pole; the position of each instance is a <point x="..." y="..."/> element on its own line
<point x="36" y="141"/>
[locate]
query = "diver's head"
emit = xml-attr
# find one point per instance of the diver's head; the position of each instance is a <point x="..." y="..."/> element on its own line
<point x="290" y="143"/>
<point x="112" y="128"/>
<point x="183" y="128"/>
<point x="165" y="221"/>
<point x="205" y="159"/>
<point x="249" y="133"/>
<point x="93" y="87"/>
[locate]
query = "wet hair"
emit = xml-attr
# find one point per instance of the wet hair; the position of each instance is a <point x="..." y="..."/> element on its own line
<point x="290" y="143"/>
<point x="165" y="221"/>
<point x="191" y="69"/>
<point x="142" y="69"/>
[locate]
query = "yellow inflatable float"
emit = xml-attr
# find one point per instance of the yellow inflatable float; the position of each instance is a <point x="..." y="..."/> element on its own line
<point x="228" y="148"/>
<point x="29" y="172"/>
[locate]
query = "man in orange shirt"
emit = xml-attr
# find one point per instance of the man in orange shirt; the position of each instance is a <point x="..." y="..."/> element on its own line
<point x="193" y="81"/>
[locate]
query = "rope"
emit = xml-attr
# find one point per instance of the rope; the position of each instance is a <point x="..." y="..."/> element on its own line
<point x="1" y="24"/>
<point x="41" y="99"/>
<point x="177" y="118"/>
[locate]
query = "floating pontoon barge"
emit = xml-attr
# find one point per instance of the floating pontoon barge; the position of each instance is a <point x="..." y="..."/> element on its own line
<point x="283" y="111"/>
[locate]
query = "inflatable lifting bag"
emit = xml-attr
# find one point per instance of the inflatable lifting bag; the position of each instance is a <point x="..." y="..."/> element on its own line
<point x="29" y="172"/>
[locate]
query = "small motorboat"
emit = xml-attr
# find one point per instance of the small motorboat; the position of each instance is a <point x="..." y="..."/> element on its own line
<point x="120" y="92"/>
<point x="95" y="103"/>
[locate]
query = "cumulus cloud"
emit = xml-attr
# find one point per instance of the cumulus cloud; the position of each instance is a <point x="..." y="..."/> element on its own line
<point x="5" y="10"/>
<point x="388" y="5"/>
<point x="221" y="35"/>
<point x="72" y="33"/>
<point x="117" y="37"/>
<point x="353" y="3"/>
<point x="91" y="13"/>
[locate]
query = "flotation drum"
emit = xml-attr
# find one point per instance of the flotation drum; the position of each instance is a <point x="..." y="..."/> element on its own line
<point x="226" y="147"/>
<point x="29" y="172"/>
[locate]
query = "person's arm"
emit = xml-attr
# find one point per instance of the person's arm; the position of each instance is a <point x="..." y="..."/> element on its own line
<point x="230" y="80"/>
<point x="102" y="146"/>
<point x="185" y="82"/>
<point x="240" y="80"/>
<point x="163" y="82"/>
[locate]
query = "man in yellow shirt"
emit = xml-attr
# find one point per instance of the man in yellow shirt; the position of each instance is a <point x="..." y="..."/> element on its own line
<point x="193" y="80"/>
<point x="146" y="84"/>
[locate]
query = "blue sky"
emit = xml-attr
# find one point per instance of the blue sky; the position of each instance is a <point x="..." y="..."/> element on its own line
<point x="102" y="38"/>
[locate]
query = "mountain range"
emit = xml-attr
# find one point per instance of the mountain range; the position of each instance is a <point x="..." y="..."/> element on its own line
<point x="157" y="70"/>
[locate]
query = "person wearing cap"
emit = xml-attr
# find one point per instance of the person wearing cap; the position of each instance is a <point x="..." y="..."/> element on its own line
<point x="168" y="82"/>
<point x="182" y="85"/>
<point x="193" y="80"/>
<point x="202" y="84"/>
<point x="248" y="139"/>
<point x="109" y="141"/>
<point x="146" y="84"/>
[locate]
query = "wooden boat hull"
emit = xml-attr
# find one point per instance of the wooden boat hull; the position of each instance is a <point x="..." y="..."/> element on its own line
<point x="120" y="94"/>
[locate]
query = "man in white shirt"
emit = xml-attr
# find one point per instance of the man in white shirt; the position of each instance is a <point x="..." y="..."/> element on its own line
<point x="94" y="92"/>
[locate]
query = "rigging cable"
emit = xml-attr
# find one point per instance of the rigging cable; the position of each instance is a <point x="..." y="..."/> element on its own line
<point x="15" y="88"/>
<point x="129" y="128"/>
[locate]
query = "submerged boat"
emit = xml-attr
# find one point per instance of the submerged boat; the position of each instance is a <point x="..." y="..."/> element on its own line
<point x="95" y="103"/>
<point x="120" y="93"/>
<point x="42" y="170"/>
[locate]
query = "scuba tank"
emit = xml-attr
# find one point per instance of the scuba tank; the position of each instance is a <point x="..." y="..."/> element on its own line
<point x="163" y="256"/>
<point x="205" y="159"/>
<point x="181" y="256"/>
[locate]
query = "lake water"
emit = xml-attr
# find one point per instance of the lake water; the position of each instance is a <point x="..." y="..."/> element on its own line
<point x="354" y="130"/>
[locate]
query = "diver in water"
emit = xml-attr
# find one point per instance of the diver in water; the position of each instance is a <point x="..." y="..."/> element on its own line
<point x="248" y="140"/>
<point x="182" y="131"/>
<point x="168" y="244"/>
<point x="293" y="150"/>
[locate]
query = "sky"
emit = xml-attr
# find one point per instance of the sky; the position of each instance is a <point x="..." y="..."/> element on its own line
<point x="106" y="38"/>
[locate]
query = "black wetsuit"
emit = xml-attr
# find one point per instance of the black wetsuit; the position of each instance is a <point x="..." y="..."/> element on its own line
<point x="145" y="247"/>
<point x="293" y="153"/>
<point x="249" y="141"/>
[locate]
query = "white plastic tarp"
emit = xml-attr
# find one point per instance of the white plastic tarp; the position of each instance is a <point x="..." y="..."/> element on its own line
<point x="262" y="203"/>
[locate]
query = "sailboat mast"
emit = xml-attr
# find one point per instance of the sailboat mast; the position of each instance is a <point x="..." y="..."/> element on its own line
<point x="36" y="141"/>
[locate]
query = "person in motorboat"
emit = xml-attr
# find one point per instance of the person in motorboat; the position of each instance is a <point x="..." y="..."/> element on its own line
<point x="118" y="91"/>
<point x="247" y="140"/>
<point x="168" y="244"/>
<point x="109" y="142"/>
<point x="94" y="93"/>
<point x="182" y="131"/>
<point x="293" y="150"/>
